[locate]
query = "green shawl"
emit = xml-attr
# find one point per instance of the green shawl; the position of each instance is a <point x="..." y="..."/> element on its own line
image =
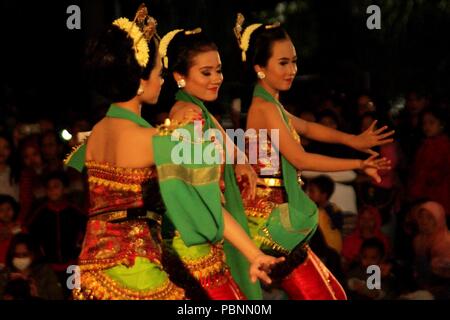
<point x="296" y="221"/>
<point x="236" y="261"/>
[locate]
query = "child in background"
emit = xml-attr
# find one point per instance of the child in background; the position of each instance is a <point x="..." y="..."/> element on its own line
<point x="58" y="226"/>
<point x="430" y="173"/>
<point x="320" y="190"/>
<point x="368" y="226"/>
<point x="9" y="210"/>
<point x="372" y="253"/>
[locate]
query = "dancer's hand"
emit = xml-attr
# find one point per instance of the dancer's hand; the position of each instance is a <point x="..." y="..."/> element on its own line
<point x="246" y="171"/>
<point x="261" y="265"/>
<point x="371" y="165"/>
<point x="371" y="138"/>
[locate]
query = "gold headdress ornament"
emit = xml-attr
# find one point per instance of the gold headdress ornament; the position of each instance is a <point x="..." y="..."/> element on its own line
<point x="142" y="27"/>
<point x="165" y="41"/>
<point x="243" y="38"/>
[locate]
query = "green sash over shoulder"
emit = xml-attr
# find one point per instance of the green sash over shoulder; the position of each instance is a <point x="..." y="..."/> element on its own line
<point x="294" y="222"/>
<point x="190" y="191"/>
<point x="207" y="199"/>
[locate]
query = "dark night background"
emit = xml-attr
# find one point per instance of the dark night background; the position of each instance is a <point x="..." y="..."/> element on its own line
<point x="41" y="60"/>
<point x="347" y="76"/>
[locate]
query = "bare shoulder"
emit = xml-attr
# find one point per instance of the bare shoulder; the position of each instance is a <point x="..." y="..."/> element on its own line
<point x="264" y="106"/>
<point x="135" y="147"/>
<point x="137" y="135"/>
<point x="97" y="128"/>
<point x="263" y="109"/>
<point x="181" y="106"/>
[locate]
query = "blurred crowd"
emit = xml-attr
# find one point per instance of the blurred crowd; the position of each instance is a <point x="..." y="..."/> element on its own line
<point x="399" y="224"/>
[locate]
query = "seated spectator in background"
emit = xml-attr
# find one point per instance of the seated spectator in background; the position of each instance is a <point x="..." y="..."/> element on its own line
<point x="58" y="226"/>
<point x="409" y="132"/>
<point x="368" y="226"/>
<point x="31" y="177"/>
<point x="51" y="149"/>
<point x="9" y="181"/>
<point x="406" y="231"/>
<point x="320" y="190"/>
<point x="344" y="196"/>
<point x="372" y="253"/>
<point x="9" y="210"/>
<point x="432" y="250"/>
<point x="430" y="173"/>
<point x="26" y="271"/>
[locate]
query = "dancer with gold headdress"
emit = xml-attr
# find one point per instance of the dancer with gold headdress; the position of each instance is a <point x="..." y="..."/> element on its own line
<point x="121" y="256"/>
<point x="282" y="218"/>
<point x="194" y="63"/>
<point x="121" y="253"/>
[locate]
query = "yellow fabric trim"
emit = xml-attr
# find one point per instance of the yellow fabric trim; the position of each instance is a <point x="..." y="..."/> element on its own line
<point x="268" y="241"/>
<point x="70" y="155"/>
<point x="115" y="185"/>
<point x="96" y="285"/>
<point x="104" y="166"/>
<point x="196" y="177"/>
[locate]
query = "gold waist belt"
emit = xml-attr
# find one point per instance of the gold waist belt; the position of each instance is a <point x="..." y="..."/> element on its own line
<point x="271" y="182"/>
<point x="276" y="182"/>
<point x="125" y="215"/>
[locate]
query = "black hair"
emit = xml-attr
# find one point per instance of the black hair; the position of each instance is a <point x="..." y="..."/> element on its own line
<point x="324" y="183"/>
<point x="181" y="52"/>
<point x="374" y="243"/>
<point x="260" y="48"/>
<point x="4" y="198"/>
<point x="29" y="242"/>
<point x="183" y="49"/>
<point x="57" y="175"/>
<point x="111" y="65"/>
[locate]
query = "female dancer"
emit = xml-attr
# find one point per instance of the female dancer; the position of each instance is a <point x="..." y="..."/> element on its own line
<point x="282" y="218"/>
<point x="121" y="255"/>
<point x="194" y="63"/>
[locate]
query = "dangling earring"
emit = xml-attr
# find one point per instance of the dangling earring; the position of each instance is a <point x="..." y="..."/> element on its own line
<point x="140" y="91"/>
<point x="261" y="75"/>
<point x="181" y="83"/>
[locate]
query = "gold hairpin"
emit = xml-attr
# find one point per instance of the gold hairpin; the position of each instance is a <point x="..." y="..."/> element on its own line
<point x="142" y="26"/>
<point x="168" y="37"/>
<point x="243" y="38"/>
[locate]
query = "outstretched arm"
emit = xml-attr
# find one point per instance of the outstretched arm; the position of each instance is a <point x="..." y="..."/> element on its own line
<point x="302" y="160"/>
<point x="363" y="142"/>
